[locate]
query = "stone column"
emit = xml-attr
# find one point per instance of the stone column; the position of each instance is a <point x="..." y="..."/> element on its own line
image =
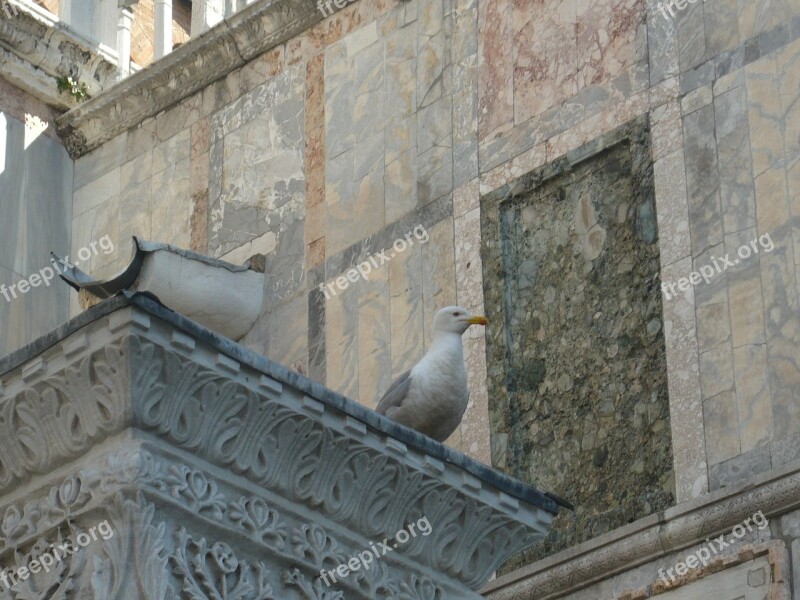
<point x="163" y="28"/>
<point x="124" y="24"/>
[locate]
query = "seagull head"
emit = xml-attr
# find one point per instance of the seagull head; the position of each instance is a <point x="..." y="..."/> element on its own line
<point x="454" y="319"/>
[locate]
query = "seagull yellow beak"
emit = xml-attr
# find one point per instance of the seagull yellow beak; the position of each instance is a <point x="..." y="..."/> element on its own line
<point x="478" y="321"/>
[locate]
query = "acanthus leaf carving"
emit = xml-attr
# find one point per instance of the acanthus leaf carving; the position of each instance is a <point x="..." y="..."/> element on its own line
<point x="314" y="544"/>
<point x="197" y="492"/>
<point x="215" y="573"/>
<point x="135" y="555"/>
<point x="256" y="517"/>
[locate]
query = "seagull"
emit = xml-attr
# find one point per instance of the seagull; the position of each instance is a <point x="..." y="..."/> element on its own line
<point x="432" y="396"/>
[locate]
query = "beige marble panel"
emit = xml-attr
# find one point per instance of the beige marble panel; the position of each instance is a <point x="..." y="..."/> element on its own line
<point x="438" y="273"/>
<point x="405" y="310"/>
<point x="374" y="337"/>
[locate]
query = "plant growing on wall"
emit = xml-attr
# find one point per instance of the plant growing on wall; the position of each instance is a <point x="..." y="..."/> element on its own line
<point x="79" y="91"/>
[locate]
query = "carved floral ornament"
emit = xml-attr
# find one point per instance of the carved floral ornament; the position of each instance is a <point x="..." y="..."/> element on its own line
<point x="257" y="438"/>
<point x="143" y="560"/>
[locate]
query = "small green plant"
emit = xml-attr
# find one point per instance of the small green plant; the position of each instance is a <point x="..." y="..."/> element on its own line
<point x="79" y="91"/>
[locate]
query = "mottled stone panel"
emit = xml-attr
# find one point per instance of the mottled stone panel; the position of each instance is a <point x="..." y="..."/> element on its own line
<point x="577" y="371"/>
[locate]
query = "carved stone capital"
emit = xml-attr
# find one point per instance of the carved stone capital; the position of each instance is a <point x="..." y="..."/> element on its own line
<point x="133" y="412"/>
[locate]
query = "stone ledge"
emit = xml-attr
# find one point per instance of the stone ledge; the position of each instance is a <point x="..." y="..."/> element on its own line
<point x="196" y="64"/>
<point x="651" y="538"/>
<point x="36" y="49"/>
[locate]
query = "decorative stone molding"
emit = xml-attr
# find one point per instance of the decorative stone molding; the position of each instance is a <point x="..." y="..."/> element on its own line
<point x="36" y="49"/>
<point x="648" y="539"/>
<point x="196" y="64"/>
<point x="225" y="475"/>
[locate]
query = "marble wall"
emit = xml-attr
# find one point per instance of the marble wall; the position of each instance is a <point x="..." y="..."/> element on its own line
<point x="388" y="115"/>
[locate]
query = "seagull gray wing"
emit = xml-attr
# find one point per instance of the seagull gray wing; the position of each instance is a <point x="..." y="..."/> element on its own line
<point x="396" y="394"/>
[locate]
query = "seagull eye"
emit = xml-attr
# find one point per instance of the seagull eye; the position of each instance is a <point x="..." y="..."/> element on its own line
<point x="456" y="314"/>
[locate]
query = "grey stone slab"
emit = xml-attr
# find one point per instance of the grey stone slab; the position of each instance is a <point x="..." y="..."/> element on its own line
<point x="368" y="71"/>
<point x="339" y="113"/>
<point x="662" y="43"/>
<point x="435" y="173"/>
<point x="697" y="77"/>
<point x="721" y="427"/>
<point x="691" y="37"/>
<point x="432" y="59"/>
<point x="465" y="161"/>
<point x="367" y="153"/>
<point x="465" y="25"/>
<point x="716" y="373"/>
<point x="737" y="190"/>
<point x="702" y="178"/>
<point x="369" y="112"/>
<point x="721" y="25"/>
<point x="739" y="469"/>
<point x="339" y="176"/>
<point x="778" y="37"/>
<point x="729" y="61"/>
<point x="434" y="124"/>
<point x="716" y="290"/>
<point x="284" y="275"/>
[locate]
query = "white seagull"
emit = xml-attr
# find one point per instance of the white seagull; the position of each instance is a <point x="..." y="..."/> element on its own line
<point x="432" y="396"/>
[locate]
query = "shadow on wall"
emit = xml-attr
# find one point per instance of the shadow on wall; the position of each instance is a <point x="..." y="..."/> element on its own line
<point x="35" y="215"/>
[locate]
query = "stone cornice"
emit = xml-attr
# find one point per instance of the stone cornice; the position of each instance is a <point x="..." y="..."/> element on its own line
<point x="131" y="366"/>
<point x="196" y="64"/>
<point x="648" y="539"/>
<point x="36" y="49"/>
